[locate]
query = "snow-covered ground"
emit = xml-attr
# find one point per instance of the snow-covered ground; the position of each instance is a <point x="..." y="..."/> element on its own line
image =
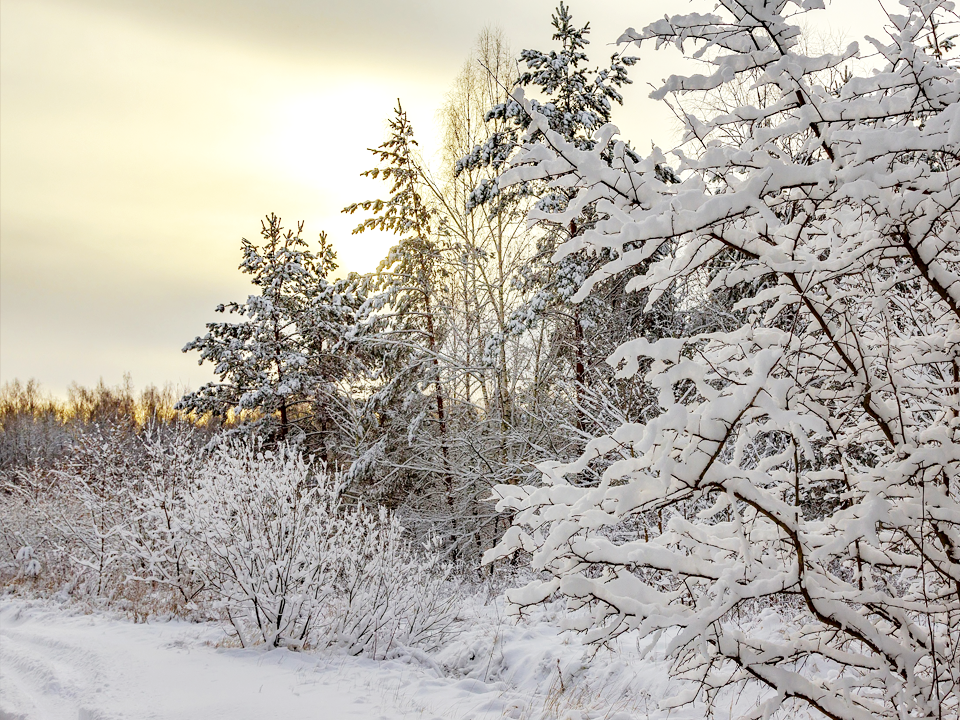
<point x="57" y="663"/>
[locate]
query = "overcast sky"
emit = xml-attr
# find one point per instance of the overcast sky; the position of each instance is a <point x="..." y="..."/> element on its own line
<point x="139" y="141"/>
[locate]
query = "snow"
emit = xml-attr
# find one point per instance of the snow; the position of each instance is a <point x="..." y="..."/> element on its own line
<point x="57" y="666"/>
<point x="56" y="663"/>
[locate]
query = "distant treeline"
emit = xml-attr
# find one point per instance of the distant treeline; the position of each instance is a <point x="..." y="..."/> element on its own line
<point x="37" y="428"/>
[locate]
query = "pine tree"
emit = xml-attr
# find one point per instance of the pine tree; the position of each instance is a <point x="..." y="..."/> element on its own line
<point x="575" y="103"/>
<point x="402" y="318"/>
<point x="267" y="362"/>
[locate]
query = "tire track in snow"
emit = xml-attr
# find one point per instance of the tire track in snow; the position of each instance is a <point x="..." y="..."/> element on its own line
<point x="44" y="677"/>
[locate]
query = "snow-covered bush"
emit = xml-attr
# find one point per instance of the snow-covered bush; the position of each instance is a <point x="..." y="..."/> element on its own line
<point x="22" y="523"/>
<point x="98" y="476"/>
<point x="290" y="564"/>
<point x="389" y="594"/>
<point x="72" y="514"/>
<point x="253" y="519"/>
<point x="805" y="455"/>
<point x="155" y="537"/>
<point x="153" y="524"/>
<point x="102" y="521"/>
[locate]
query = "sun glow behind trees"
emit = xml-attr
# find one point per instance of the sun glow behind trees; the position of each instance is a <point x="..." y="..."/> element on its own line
<point x="141" y="141"/>
<point x="135" y="158"/>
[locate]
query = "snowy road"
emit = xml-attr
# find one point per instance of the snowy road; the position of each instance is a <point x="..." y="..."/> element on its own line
<point x="55" y="666"/>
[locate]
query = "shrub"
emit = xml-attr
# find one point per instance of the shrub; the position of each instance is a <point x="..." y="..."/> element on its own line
<point x="289" y="563"/>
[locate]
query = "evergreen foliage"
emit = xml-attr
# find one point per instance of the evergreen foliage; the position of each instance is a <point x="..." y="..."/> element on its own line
<point x="401" y="318"/>
<point x="280" y="359"/>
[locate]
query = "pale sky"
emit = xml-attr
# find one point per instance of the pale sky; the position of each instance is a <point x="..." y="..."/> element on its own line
<point x="139" y="141"/>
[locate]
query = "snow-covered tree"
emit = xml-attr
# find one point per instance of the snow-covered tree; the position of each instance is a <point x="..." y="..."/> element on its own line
<point x="574" y="101"/>
<point x="803" y="464"/>
<point x="285" y="346"/>
<point x="487" y="248"/>
<point x="339" y="367"/>
<point x="402" y="317"/>
<point x="31" y="426"/>
<point x="484" y="252"/>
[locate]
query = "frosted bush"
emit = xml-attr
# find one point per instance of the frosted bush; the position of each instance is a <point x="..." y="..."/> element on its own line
<point x="264" y="537"/>
<point x="156" y="539"/>
<point x="253" y="519"/>
<point x="40" y="510"/>
<point x="288" y="563"/>
<point x="389" y="594"/>
<point x="92" y="507"/>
